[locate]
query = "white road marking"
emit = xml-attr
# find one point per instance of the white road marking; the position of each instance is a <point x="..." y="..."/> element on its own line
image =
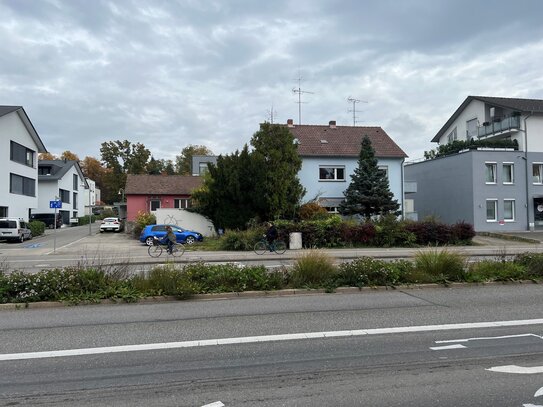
<point x="215" y="404"/>
<point x="488" y="338"/>
<point x="539" y="392"/>
<point x="532" y="405"/>
<point x="265" y="338"/>
<point x="448" y="347"/>
<point x="516" y="369"/>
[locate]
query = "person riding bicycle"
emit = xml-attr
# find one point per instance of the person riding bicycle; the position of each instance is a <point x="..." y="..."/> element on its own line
<point x="271" y="235"/>
<point x="169" y="239"/>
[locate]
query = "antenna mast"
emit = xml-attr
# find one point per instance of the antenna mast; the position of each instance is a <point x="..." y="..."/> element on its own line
<point x="354" y="102"/>
<point x="272" y="113"/>
<point x="299" y="91"/>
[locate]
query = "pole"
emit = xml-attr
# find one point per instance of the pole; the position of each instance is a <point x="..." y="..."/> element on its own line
<point x="55" y="233"/>
<point x="90" y="213"/>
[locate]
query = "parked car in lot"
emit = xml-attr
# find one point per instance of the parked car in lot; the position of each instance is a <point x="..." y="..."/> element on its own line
<point x="111" y="224"/>
<point x="182" y="235"/>
<point x="14" y="229"/>
<point x="48" y="219"/>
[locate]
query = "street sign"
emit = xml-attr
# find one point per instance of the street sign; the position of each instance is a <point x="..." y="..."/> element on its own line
<point x="55" y="204"/>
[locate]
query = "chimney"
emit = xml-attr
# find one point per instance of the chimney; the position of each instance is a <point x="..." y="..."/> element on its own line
<point x="332" y="124"/>
<point x="290" y="123"/>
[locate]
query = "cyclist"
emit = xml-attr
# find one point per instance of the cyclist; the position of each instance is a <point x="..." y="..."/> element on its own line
<point x="169" y="239"/>
<point x="271" y="235"/>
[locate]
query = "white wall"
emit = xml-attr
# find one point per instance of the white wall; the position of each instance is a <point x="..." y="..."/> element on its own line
<point x="535" y="133"/>
<point x="309" y="177"/>
<point x="48" y="190"/>
<point x="185" y="220"/>
<point x="13" y="129"/>
<point x="475" y="110"/>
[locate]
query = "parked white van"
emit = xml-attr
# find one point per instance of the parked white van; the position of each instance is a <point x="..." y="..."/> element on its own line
<point x="14" y="229"/>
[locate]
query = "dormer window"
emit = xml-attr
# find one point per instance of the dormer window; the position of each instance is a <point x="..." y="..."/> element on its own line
<point x="45" y="170"/>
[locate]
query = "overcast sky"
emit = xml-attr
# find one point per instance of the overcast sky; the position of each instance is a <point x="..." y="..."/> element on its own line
<point x="173" y="73"/>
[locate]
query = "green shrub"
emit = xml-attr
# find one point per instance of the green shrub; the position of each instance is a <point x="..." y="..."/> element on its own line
<point x="164" y="280"/>
<point x="367" y="271"/>
<point x="312" y="268"/>
<point x="37" y="227"/>
<point x="532" y="262"/>
<point x="391" y="232"/>
<point x="231" y="278"/>
<point x="241" y="240"/>
<point x="488" y="270"/>
<point x="142" y="219"/>
<point x="441" y="264"/>
<point x="312" y="211"/>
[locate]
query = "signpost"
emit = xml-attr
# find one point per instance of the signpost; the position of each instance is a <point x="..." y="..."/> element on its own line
<point x="56" y="204"/>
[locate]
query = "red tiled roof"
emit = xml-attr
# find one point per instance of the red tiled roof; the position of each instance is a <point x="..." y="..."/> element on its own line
<point x="343" y="141"/>
<point x="161" y="184"/>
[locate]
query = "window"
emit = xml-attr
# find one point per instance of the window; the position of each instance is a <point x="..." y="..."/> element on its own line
<point x="22" y="185"/>
<point x="75" y="200"/>
<point x="332" y="209"/>
<point x="490" y="174"/>
<point x="508" y="173"/>
<point x="471" y="129"/>
<point x="3" y="211"/>
<point x="181" y="203"/>
<point x="452" y="136"/>
<point x="384" y="168"/>
<point x="332" y="173"/>
<point x="155" y="204"/>
<point x="509" y="210"/>
<point x="76" y="182"/>
<point x="491" y="210"/>
<point x="64" y="195"/>
<point x="537" y="172"/>
<point x="45" y="170"/>
<point x="21" y="154"/>
<point x="202" y="168"/>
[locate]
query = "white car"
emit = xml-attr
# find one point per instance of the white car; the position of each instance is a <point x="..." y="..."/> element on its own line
<point x="14" y="229"/>
<point x="111" y="224"/>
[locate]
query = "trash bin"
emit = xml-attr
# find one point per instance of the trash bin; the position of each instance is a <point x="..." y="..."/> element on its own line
<point x="295" y="239"/>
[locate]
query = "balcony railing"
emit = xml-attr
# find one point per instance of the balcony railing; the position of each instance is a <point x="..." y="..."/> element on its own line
<point x="506" y="124"/>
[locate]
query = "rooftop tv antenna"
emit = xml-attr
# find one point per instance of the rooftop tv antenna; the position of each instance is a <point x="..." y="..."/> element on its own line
<point x="272" y="114"/>
<point x="354" y="102"/>
<point x="299" y="91"/>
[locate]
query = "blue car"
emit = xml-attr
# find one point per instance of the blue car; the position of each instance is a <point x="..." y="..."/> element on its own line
<point x="183" y="236"/>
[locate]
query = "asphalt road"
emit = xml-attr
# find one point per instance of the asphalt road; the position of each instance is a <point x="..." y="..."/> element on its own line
<point x="477" y="346"/>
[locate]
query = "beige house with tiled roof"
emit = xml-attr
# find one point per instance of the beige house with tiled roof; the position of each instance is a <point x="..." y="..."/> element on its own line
<point x="330" y="155"/>
<point x="148" y="193"/>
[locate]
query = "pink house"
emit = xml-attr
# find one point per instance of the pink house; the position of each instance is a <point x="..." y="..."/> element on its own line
<point x="147" y="193"/>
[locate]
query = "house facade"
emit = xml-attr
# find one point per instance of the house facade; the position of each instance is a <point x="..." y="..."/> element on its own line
<point x="147" y="193"/>
<point x="495" y="188"/>
<point x="61" y="180"/>
<point x="330" y="155"/>
<point x="20" y="145"/>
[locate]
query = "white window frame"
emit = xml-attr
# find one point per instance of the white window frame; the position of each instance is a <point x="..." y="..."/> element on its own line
<point x="495" y="166"/>
<point x="181" y="203"/>
<point x="384" y="168"/>
<point x="513" y="208"/>
<point x="540" y="181"/>
<point x="334" y="168"/>
<point x="512" y="166"/>
<point x="452" y="136"/>
<point x="495" y="201"/>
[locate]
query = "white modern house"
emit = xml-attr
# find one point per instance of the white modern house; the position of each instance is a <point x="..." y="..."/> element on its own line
<point x="495" y="187"/>
<point x="19" y="148"/>
<point x="61" y="180"/>
<point x="330" y="155"/>
<point x="91" y="196"/>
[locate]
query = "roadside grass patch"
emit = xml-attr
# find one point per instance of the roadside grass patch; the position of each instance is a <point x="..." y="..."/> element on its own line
<point x="488" y="270"/>
<point x="440" y="264"/>
<point x="314" y="269"/>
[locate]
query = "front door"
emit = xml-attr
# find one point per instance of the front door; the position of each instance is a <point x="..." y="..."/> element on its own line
<point x="538" y="213"/>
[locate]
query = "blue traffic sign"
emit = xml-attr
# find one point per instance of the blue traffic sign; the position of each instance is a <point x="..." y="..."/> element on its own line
<point x="55" y="204"/>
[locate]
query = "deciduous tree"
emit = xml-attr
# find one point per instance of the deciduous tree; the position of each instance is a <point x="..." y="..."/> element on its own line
<point x="183" y="161"/>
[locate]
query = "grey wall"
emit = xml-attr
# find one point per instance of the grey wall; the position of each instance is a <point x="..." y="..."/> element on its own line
<point x="454" y="188"/>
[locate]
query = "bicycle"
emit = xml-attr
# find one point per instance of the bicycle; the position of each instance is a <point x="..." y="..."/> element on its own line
<point x="158" y="247"/>
<point x="277" y="246"/>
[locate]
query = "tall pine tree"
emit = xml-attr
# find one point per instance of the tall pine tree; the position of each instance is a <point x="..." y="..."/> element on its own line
<point x="369" y="193"/>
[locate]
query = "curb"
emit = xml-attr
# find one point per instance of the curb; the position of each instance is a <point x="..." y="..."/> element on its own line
<point x="254" y="294"/>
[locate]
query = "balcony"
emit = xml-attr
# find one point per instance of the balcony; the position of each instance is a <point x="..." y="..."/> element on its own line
<point x="502" y="127"/>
